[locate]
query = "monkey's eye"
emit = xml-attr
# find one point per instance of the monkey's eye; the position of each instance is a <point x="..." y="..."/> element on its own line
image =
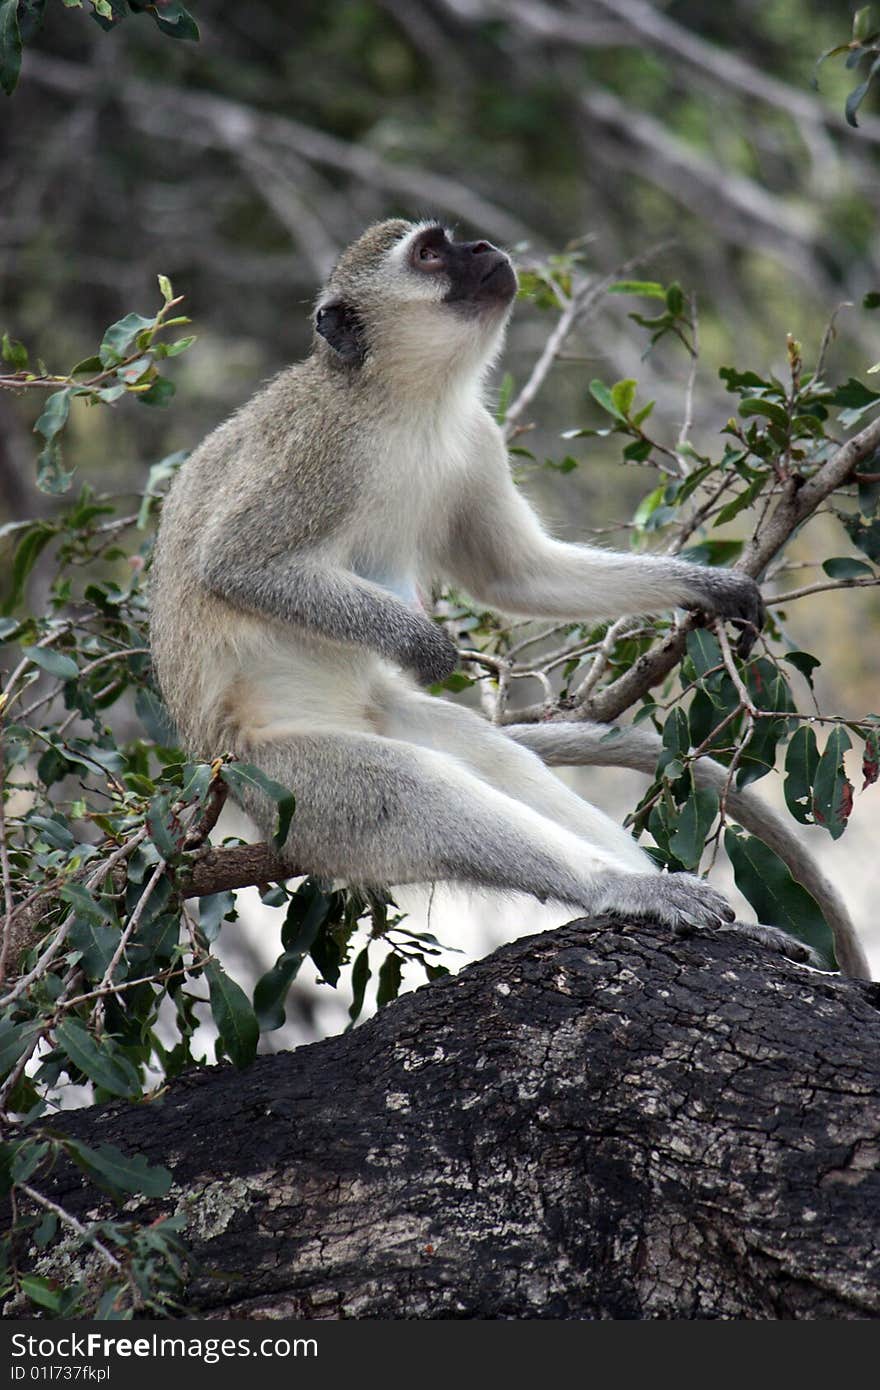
<point x="428" y="257"/>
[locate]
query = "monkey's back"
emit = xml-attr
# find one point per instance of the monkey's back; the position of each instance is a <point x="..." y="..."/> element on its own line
<point x="268" y="464"/>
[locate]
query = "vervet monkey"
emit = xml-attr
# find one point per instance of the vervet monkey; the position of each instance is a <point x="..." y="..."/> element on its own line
<point x="297" y="549"/>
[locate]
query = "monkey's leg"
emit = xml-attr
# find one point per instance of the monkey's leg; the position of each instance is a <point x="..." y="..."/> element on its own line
<point x="379" y="812"/>
<point x="512" y="768"/>
<point x="496" y="759"/>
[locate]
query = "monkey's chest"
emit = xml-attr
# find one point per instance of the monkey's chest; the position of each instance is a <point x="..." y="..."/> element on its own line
<point x="405" y="508"/>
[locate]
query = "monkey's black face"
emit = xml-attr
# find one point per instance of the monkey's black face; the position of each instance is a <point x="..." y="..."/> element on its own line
<point x="479" y="276"/>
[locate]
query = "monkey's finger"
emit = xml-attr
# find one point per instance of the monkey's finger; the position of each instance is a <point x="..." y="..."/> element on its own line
<point x="748" y="635"/>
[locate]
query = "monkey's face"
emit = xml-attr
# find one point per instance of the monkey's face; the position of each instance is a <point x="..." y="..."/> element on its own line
<point x="408" y="298"/>
<point x="473" y="276"/>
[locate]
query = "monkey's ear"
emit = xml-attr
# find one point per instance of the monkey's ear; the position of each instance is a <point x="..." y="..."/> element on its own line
<point x="343" y="330"/>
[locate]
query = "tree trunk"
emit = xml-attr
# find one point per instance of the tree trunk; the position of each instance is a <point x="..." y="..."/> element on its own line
<point x="592" y="1123"/>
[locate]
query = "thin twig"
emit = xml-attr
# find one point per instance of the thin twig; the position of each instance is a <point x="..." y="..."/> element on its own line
<point x="821" y="588"/>
<point x="92" y="882"/>
<point x="688" y="421"/>
<point x="580" y="304"/>
<point x="69" y="1220"/>
<point x="746" y="700"/>
<point x="600" y="660"/>
<point x="133" y="923"/>
<point x="6" y="869"/>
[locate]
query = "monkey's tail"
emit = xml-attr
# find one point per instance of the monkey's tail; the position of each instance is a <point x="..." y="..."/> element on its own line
<point x="576" y="744"/>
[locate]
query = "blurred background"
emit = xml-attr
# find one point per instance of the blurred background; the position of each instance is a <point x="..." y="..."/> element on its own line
<point x="685" y="136"/>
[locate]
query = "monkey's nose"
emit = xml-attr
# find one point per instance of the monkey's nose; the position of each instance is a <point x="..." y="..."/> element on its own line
<point x="479" y="248"/>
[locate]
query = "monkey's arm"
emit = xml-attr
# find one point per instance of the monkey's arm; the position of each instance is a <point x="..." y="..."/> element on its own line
<point x="497" y="549"/>
<point x="326" y="599"/>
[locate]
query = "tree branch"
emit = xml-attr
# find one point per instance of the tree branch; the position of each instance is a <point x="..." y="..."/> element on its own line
<point x="597" y="1122"/>
<point x="198" y="117"/>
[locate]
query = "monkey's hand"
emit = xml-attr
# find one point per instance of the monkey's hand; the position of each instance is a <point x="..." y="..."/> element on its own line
<point x="687" y="904"/>
<point x="729" y="594"/>
<point x="430" y="653"/>
<point x="680" y="901"/>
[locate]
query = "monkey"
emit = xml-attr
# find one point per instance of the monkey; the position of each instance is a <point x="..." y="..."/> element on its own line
<point x="296" y="553"/>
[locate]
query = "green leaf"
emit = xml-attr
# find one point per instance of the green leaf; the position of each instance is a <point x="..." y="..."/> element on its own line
<point x="713" y="552"/>
<point x="31" y="14"/>
<point x="390" y="972"/>
<point x="649" y="288"/>
<point x="675" y="299"/>
<point x="10" y="46"/>
<point x="676" y="735"/>
<point x="27" y="1158"/>
<point x="213" y="907"/>
<point x="803" y="662"/>
<point x="102" y="1063"/>
<point x="360" y="975"/>
<point x="832" y="789"/>
<point x="28" y="551"/>
<point x="801" y="762"/>
<point x="703" y="650"/>
<point x="15" y="1039"/>
<point x="96" y="943"/>
<point x="454" y="683"/>
<point x="119" y="337"/>
<point x="52" y="477"/>
<point x="39" y="1290"/>
<point x="307" y="911"/>
<point x="741" y="381"/>
<point x="871" y="300"/>
<point x="863" y="26"/>
<point x="13" y="352"/>
<point x="56" y="663"/>
<point x="165" y="289"/>
<point x="858" y="94"/>
<point x="54" y="414"/>
<point x="739" y="504"/>
<point x="759" y="405"/>
<point x="244" y="778"/>
<point x="175" y="21"/>
<point x="695" y="820"/>
<point x="600" y="392"/>
<point x="159" y="394"/>
<point x="89" y="366"/>
<point x="174" y="349"/>
<point x="623" y="394"/>
<point x="326" y="955"/>
<point x="119" y="1172"/>
<point x="854" y="395"/>
<point x="46" y="1231"/>
<point x="85" y="904"/>
<point x="777" y="899"/>
<point x="165" y="830"/>
<point x="844" y="567"/>
<point x="271" y="989"/>
<point x="53" y="829"/>
<point x="865" y="535"/>
<point x="235" y="1019"/>
<point x="871" y="758"/>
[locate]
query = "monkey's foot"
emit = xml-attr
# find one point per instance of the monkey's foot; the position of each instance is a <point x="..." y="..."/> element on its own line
<point x="779" y="941"/>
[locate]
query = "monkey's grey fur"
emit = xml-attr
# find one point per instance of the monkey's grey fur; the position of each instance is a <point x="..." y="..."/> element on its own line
<point x="288" y="622"/>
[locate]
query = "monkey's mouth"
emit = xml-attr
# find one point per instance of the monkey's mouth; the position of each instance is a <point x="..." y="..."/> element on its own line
<point x="494" y="289"/>
<point x="499" y="282"/>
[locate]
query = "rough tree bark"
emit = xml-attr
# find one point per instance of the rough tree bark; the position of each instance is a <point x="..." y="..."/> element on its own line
<point x="594" y="1122"/>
